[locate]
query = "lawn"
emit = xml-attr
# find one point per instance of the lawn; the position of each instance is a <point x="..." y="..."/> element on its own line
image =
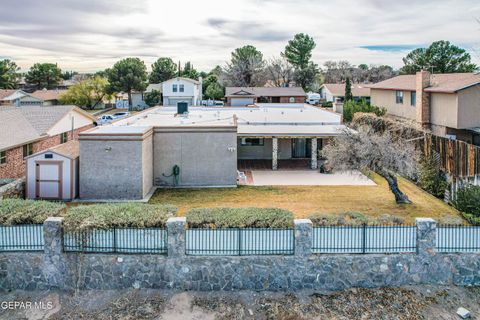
<point x="304" y="200"/>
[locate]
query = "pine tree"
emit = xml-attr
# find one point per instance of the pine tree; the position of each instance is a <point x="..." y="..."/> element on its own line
<point x="348" y="90"/>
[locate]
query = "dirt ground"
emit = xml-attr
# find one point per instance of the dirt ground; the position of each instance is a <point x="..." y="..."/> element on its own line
<point x="415" y="302"/>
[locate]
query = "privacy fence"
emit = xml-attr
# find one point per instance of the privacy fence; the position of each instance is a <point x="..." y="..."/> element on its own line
<point x="362" y="239"/>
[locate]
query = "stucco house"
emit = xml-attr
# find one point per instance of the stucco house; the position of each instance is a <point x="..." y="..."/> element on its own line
<point x="19" y="98"/>
<point x="25" y="131"/>
<point x="201" y="148"/>
<point x="333" y="92"/>
<point x="182" y="90"/>
<point x="448" y="104"/>
<point x="243" y="96"/>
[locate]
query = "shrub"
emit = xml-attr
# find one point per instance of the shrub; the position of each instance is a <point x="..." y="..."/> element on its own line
<point x="352" y="107"/>
<point x="341" y="219"/>
<point x="431" y="178"/>
<point x="468" y="201"/>
<point x="19" y="211"/>
<point x="105" y="216"/>
<point x="327" y="104"/>
<point x="239" y="218"/>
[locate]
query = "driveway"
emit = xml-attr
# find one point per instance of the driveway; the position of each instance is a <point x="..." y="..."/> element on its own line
<point x="308" y="178"/>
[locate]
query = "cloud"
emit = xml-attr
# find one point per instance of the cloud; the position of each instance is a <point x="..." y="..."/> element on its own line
<point x="392" y="47"/>
<point x="248" y="30"/>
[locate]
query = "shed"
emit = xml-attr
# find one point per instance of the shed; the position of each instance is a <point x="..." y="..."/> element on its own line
<point x="53" y="173"/>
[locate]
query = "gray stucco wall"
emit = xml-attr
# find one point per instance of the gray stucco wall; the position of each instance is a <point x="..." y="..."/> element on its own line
<point x="114" y="169"/>
<point x="265" y="151"/>
<point x="147" y="164"/>
<point x="203" y="157"/>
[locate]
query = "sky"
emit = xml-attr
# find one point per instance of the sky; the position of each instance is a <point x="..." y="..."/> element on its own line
<point x="91" y="35"/>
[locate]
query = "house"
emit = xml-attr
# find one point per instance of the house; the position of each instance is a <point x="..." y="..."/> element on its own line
<point x="12" y="97"/>
<point x="121" y="100"/>
<point x="25" y="131"/>
<point x="154" y="87"/>
<point x="201" y="148"/>
<point x="448" y="104"/>
<point x="182" y="90"/>
<point x="242" y="96"/>
<point x="49" y="97"/>
<point x="334" y="92"/>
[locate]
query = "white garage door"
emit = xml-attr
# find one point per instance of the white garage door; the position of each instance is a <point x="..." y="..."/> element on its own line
<point x="49" y="180"/>
<point x="173" y="102"/>
<point x="240" y="102"/>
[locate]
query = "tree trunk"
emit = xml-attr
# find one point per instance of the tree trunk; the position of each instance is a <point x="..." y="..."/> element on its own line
<point x="400" y="197"/>
<point x="129" y="100"/>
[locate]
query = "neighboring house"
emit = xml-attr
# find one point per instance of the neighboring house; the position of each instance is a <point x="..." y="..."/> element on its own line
<point x="19" y="98"/>
<point x="182" y="90"/>
<point x="448" y="104"/>
<point x="154" y="86"/>
<point x="25" y="131"/>
<point x="121" y="100"/>
<point x="158" y="147"/>
<point x="49" y="97"/>
<point x="334" y="92"/>
<point x="243" y="96"/>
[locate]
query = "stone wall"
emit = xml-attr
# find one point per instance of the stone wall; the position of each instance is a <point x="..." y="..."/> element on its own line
<point x="13" y="189"/>
<point x="303" y="270"/>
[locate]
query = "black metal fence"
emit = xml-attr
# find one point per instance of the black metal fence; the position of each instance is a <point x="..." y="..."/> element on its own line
<point x="240" y="241"/>
<point x="454" y="238"/>
<point x="117" y="240"/>
<point x="24" y="237"/>
<point x="364" y="239"/>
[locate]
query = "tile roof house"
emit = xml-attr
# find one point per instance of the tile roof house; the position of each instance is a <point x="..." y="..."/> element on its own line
<point x="13" y="97"/>
<point x="49" y="97"/>
<point x="448" y="104"/>
<point x="242" y="96"/>
<point x="33" y="129"/>
<point x="336" y="92"/>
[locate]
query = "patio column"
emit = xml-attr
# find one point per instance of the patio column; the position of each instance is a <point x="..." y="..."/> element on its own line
<point x="274" y="153"/>
<point x="314" y="161"/>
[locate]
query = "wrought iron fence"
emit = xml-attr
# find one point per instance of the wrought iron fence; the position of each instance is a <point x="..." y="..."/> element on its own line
<point x="23" y="237"/>
<point x="364" y="239"/>
<point x="117" y="240"/>
<point x="454" y="238"/>
<point x="240" y="241"/>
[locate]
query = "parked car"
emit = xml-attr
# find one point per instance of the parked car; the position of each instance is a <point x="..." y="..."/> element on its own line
<point x="105" y="119"/>
<point x="122" y="114"/>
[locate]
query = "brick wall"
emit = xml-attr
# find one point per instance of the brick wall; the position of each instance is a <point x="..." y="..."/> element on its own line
<point x="15" y="166"/>
<point x="299" y="99"/>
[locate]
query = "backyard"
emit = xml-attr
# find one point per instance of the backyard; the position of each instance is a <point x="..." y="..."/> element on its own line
<point x="304" y="200"/>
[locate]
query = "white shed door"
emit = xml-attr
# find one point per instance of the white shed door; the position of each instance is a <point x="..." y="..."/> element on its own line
<point x="240" y="102"/>
<point x="49" y="180"/>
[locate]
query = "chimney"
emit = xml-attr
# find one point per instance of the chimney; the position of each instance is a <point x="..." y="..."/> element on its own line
<point x="422" y="81"/>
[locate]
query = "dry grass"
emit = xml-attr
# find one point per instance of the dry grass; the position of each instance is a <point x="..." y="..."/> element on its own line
<point x="304" y="200"/>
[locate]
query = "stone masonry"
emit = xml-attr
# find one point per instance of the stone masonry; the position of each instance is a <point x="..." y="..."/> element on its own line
<point x="303" y="270"/>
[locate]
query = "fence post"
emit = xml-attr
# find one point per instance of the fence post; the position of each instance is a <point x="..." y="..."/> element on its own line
<point x="176" y="232"/>
<point x="303" y="237"/>
<point x="56" y="268"/>
<point x="426" y="235"/>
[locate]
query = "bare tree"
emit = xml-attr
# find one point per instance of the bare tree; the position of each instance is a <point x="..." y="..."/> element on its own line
<point x="280" y="72"/>
<point x="365" y="149"/>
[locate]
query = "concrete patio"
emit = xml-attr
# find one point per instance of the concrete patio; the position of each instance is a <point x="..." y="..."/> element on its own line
<point x="306" y="178"/>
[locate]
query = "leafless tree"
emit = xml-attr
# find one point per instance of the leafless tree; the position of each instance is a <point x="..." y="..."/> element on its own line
<point x="279" y="72"/>
<point x="248" y="72"/>
<point x="364" y="149"/>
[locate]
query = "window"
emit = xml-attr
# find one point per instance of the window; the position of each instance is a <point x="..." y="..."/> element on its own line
<point x="3" y="157"/>
<point x="64" y="137"/>
<point x="252" y="142"/>
<point x="292" y="100"/>
<point x="399" y="97"/>
<point x="175" y="88"/>
<point x="181" y="88"/>
<point x="413" y="98"/>
<point x="27" y="150"/>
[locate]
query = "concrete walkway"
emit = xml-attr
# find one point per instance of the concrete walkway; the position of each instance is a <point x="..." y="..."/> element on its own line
<point x="308" y="178"/>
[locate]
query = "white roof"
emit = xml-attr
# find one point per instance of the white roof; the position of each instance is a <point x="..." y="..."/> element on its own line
<point x="262" y="119"/>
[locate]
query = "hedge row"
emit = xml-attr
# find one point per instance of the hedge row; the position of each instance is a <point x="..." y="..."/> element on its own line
<point x="239" y="218"/>
<point x="19" y="211"/>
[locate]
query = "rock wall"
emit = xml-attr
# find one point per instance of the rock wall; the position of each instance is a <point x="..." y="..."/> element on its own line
<point x="14" y="189"/>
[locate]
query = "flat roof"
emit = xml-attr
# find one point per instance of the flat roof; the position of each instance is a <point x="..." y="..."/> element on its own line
<point x="261" y="119"/>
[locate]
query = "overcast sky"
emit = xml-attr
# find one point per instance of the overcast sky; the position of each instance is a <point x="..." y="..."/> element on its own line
<point x="90" y="35"/>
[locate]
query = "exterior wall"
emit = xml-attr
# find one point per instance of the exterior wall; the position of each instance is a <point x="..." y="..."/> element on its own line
<point x="112" y="169"/>
<point x="137" y="100"/>
<point x="469" y="108"/>
<point x="386" y="99"/>
<point x="55" y="269"/>
<point x="67" y="183"/>
<point x="192" y="91"/>
<point x="298" y="99"/>
<point x="13" y="189"/>
<point x="203" y="156"/>
<point x="443" y="109"/>
<point x="65" y="124"/>
<point x="265" y="151"/>
<point x="16" y="165"/>
<point x="239" y="101"/>
<point x="147" y="164"/>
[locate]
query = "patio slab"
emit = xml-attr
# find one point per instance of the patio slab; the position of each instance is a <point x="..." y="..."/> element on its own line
<point x="308" y="178"/>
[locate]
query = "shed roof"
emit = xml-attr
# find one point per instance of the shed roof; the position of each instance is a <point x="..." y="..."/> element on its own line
<point x="70" y="149"/>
